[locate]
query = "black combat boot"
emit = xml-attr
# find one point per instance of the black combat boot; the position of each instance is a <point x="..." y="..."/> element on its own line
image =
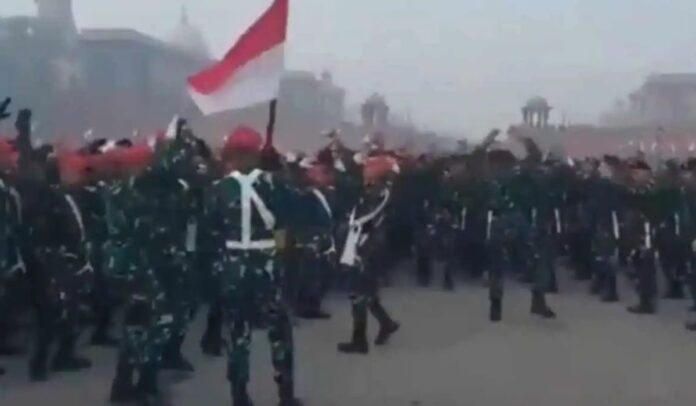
<point x="358" y="344"/>
<point x="38" y="369"/>
<point x="386" y="331"/>
<point x="448" y="281"/>
<point x="38" y="365"/>
<point x="645" y="306"/>
<point x="610" y="296"/>
<point x="148" y="388"/>
<point x="9" y="350"/>
<point x="65" y="358"/>
<point x="540" y="308"/>
<point x="311" y="308"/>
<point x="423" y="269"/>
<point x="496" y="310"/>
<point x="596" y="284"/>
<point x="286" y="392"/>
<point x="212" y="342"/>
<point x="173" y="358"/>
<point x="101" y="336"/>
<point x="240" y="397"/>
<point x="675" y="290"/>
<point x="123" y="389"/>
<point x="553" y="283"/>
<point x="104" y="339"/>
<point x="610" y="293"/>
<point x="387" y="325"/>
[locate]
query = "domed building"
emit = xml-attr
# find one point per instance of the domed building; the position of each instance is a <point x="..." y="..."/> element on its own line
<point x="48" y="59"/>
<point x="536" y="112"/>
<point x="188" y="38"/>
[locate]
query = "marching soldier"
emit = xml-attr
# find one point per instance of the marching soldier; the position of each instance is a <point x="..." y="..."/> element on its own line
<point x="250" y="208"/>
<point x="642" y="231"/>
<point x="313" y="241"/>
<point x="147" y="318"/>
<point x="62" y="276"/>
<point x="606" y="232"/>
<point x="363" y="242"/>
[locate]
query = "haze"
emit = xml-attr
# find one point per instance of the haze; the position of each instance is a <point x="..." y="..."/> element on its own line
<point x="455" y="65"/>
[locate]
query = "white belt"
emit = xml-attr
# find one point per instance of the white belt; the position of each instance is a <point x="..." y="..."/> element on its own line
<point x="250" y="245"/>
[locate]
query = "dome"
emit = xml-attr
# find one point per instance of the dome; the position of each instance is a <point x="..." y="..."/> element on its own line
<point x="189" y="39"/>
<point x="538" y="102"/>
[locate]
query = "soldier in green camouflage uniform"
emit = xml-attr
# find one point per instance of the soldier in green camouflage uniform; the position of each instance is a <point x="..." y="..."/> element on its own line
<point x="89" y="199"/>
<point x="249" y="206"/>
<point x="148" y="320"/>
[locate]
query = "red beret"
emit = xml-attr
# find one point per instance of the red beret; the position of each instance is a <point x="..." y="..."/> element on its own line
<point x="73" y="167"/>
<point x="244" y="139"/>
<point x="138" y="156"/>
<point x="378" y="167"/>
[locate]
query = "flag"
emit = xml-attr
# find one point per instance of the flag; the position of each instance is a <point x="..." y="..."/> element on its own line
<point x="250" y="72"/>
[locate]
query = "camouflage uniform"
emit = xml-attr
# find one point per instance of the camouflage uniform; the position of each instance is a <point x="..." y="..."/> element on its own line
<point x="62" y="277"/>
<point x="247" y="208"/>
<point x="90" y="200"/>
<point x="147" y="321"/>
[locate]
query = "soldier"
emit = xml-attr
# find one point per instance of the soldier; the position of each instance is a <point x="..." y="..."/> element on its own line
<point x="314" y="244"/>
<point x="361" y="246"/>
<point x="642" y="230"/>
<point x="172" y="218"/>
<point x="668" y="241"/>
<point x="63" y="276"/>
<point x="91" y="204"/>
<point x="147" y="318"/>
<point x="606" y="232"/>
<point x="688" y="229"/>
<point x="249" y="207"/>
<point x="12" y="269"/>
<point x="507" y="229"/>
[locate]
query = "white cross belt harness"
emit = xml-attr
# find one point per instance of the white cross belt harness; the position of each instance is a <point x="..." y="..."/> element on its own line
<point x="355" y="227"/>
<point x="251" y="200"/>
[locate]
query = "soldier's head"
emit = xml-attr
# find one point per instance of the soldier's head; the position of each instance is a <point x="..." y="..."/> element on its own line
<point x="378" y="172"/>
<point x="641" y="173"/>
<point x="687" y="173"/>
<point x="73" y="169"/>
<point x="500" y="161"/>
<point x="243" y="149"/>
<point x="132" y="161"/>
<point x="319" y="176"/>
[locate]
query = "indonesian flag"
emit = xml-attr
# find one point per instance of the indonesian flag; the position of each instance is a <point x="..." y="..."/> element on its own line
<point x="250" y="72"/>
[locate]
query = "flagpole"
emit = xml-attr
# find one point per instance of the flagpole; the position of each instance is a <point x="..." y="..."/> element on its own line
<point x="271" y="124"/>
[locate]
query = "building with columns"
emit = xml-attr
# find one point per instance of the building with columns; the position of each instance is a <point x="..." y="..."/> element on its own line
<point x="117" y="80"/>
<point x="108" y="80"/>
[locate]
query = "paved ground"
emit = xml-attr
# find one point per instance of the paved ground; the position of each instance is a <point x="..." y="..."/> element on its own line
<point x="446" y="355"/>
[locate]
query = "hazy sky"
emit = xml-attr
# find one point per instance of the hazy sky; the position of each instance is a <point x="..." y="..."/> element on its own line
<point x="452" y="64"/>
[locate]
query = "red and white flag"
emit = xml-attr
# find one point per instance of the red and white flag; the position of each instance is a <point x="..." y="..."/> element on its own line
<point x="250" y="72"/>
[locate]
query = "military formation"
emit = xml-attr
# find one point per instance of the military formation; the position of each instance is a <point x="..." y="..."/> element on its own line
<point x="129" y="239"/>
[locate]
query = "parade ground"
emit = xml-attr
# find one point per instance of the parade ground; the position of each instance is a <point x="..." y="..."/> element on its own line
<point x="447" y="354"/>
